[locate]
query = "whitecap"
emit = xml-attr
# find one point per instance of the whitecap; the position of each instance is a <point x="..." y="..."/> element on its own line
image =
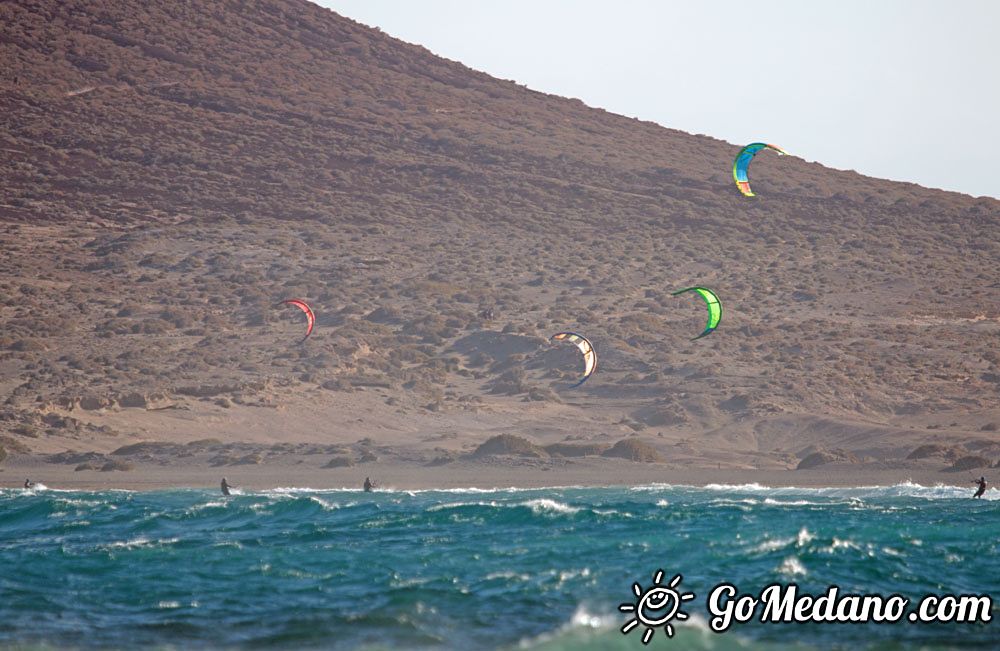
<point x="751" y="487"/>
<point x="201" y="507"/>
<point x="771" y="545"/>
<point x="695" y="621"/>
<point x="803" y="538"/>
<point x="327" y="506"/>
<point x="772" y="502"/>
<point x="546" y="505"/>
<point x="568" y="575"/>
<point x="791" y="566"/>
<point x="839" y="544"/>
<point x="137" y="543"/>
<point x="457" y="505"/>
<point x="583" y="618"/>
<point x="507" y="575"/>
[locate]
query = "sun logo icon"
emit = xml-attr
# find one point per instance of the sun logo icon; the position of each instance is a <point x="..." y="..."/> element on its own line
<point x="656" y="606"/>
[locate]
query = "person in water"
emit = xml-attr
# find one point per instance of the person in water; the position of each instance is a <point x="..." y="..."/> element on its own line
<point x="369" y="485"/>
<point x="28" y="483"/>
<point x="226" y="486"/>
<point x="982" y="487"/>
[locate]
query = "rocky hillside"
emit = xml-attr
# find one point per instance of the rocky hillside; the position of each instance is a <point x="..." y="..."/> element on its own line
<point x="173" y="170"/>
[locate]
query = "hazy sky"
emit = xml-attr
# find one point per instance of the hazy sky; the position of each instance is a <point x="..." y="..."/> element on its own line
<point x="898" y="89"/>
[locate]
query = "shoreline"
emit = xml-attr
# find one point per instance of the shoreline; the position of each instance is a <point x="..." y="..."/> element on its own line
<point x="466" y="476"/>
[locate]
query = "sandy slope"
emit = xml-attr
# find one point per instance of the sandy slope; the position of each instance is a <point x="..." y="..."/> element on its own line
<point x="444" y="224"/>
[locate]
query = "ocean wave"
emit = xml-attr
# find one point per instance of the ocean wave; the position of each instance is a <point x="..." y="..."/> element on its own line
<point x="507" y="575"/>
<point x="838" y="544"/>
<point x="327" y="506"/>
<point x="589" y="628"/>
<point x="137" y="543"/>
<point x="803" y="538"/>
<point x="751" y="487"/>
<point x="792" y="566"/>
<point x="539" y="506"/>
<point x="583" y="620"/>
<point x="195" y="508"/>
<point x="853" y="493"/>
<point x="458" y="505"/>
<point x="545" y="505"/>
<point x="547" y="568"/>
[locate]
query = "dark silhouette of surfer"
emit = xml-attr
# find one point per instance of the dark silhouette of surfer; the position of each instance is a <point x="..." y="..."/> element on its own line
<point x="28" y="483"/>
<point x="226" y="486"/>
<point x="982" y="487"/>
<point x="369" y="485"/>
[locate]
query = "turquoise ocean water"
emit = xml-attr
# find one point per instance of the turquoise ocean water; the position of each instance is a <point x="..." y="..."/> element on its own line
<point x="504" y="569"/>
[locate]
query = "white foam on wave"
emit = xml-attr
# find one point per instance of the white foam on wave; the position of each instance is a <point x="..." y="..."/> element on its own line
<point x="545" y="505"/>
<point x="291" y="490"/>
<point x="412" y="492"/>
<point x="508" y="489"/>
<point x="751" y="487"/>
<point x="457" y="505"/>
<point x="839" y="544"/>
<point x="772" y="502"/>
<point x="540" y="506"/>
<point x="851" y="493"/>
<point x="568" y="575"/>
<point x="744" y="505"/>
<point x="507" y="576"/>
<point x="695" y="621"/>
<point x="792" y="566"/>
<point x="582" y="620"/>
<point x="214" y="504"/>
<point x="803" y="538"/>
<point x="326" y="506"/>
<point x="771" y="545"/>
<point x="587" y="623"/>
<point x="138" y="543"/>
<point x="77" y="503"/>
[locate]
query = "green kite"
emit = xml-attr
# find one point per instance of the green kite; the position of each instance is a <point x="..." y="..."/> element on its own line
<point x="713" y="304"/>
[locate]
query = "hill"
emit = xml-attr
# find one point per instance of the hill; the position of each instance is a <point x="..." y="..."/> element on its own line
<point x="171" y="172"/>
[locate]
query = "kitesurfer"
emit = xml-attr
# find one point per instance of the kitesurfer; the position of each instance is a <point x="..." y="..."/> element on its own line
<point x="226" y="486"/>
<point x="982" y="487"/>
<point x="369" y="485"/>
<point x="28" y="483"/>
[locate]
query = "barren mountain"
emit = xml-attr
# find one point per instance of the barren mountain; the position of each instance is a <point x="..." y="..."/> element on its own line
<point x="171" y="171"/>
